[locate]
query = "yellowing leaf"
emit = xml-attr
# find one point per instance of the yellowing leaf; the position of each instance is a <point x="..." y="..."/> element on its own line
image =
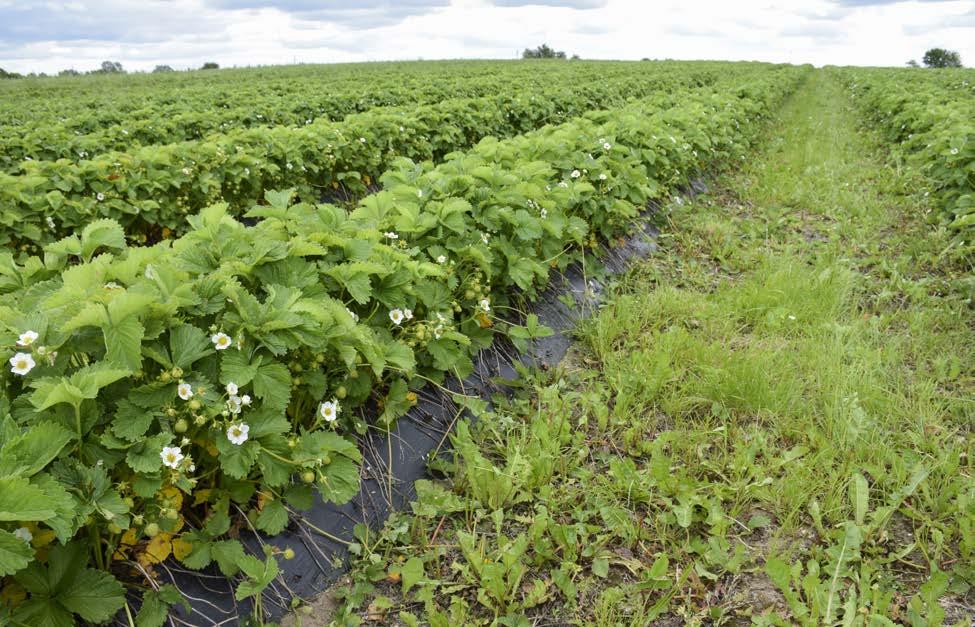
<point x="181" y="548"/>
<point x="43" y="537"/>
<point x="201" y="496"/>
<point x="173" y="496"/>
<point x="157" y="550"/>
<point x="126" y="542"/>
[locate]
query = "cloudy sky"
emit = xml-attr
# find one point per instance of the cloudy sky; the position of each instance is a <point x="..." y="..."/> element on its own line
<point x="47" y="36"/>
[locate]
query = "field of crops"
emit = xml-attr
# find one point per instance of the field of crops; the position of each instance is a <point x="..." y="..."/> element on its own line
<point x="214" y="284"/>
<point x="930" y="119"/>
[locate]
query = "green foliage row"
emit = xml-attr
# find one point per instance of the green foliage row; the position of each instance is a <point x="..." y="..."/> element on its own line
<point x="89" y="103"/>
<point x="153" y="187"/>
<point x="123" y="116"/>
<point x="156" y="391"/>
<point x="929" y="118"/>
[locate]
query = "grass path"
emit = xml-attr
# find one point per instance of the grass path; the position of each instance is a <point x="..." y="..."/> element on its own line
<point x="771" y="422"/>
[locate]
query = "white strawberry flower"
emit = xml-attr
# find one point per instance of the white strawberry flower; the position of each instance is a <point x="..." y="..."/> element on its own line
<point x="21" y="363"/>
<point x="100" y="196"/>
<point x="245" y="400"/>
<point x="391" y="235"/>
<point x="27" y="338"/>
<point x="396" y="315"/>
<point x="24" y="534"/>
<point x="441" y="259"/>
<point x="362" y="140"/>
<point x="602" y="176"/>
<point x="171" y="456"/>
<point x="408" y="314"/>
<point x="234" y="404"/>
<point x="329" y="410"/>
<point x="485" y="305"/>
<point x="543" y="213"/>
<point x="237" y="433"/>
<point x="232" y="388"/>
<point x="221" y="341"/>
<point x="353" y="315"/>
<point x="485" y="238"/>
<point x="575" y="174"/>
<point x="606" y="146"/>
<point x="184" y="391"/>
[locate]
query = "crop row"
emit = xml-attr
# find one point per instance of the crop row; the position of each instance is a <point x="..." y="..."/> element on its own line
<point x="155" y="187"/>
<point x="929" y="117"/>
<point x="151" y="387"/>
<point x="88" y="133"/>
<point x="93" y="102"/>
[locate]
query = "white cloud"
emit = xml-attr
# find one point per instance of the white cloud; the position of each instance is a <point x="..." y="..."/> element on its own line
<point x="52" y="35"/>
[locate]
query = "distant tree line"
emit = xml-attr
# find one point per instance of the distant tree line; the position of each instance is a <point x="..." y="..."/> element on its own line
<point x="107" y="67"/>
<point x="938" y="58"/>
<point x="545" y="52"/>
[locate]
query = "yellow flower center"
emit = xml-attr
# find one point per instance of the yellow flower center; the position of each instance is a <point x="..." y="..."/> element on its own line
<point x="236" y="432"/>
<point x="328" y="411"/>
<point x="22" y="364"/>
<point x="171" y="458"/>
